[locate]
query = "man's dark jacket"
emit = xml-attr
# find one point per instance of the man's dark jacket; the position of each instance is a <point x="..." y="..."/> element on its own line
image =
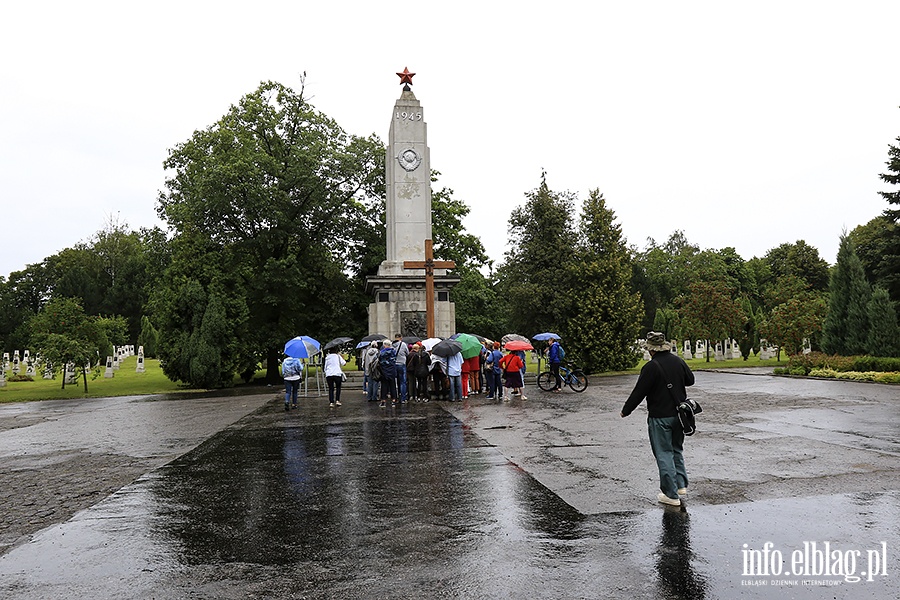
<point x="652" y="385"/>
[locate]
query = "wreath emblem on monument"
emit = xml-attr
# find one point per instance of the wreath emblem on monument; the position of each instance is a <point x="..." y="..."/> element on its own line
<point x="409" y="159"/>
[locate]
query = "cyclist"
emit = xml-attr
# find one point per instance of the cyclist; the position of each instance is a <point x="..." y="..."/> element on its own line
<point x="554" y="358"/>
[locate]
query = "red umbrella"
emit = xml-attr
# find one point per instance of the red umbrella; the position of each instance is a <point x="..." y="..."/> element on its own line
<point x="518" y="345"/>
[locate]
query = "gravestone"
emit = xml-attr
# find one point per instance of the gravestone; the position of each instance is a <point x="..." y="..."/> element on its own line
<point x="687" y="350"/>
<point x="400" y="303"/>
<point x="140" y="361"/>
<point x="701" y="349"/>
<point x="48" y="371"/>
<point x="109" y="373"/>
<point x="6" y="361"/>
<point x="29" y="366"/>
<point x="70" y="374"/>
<point x="764" y="349"/>
<point x="719" y="355"/>
<point x="15" y="363"/>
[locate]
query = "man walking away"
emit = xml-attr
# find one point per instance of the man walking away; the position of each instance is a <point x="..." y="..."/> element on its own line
<point x="662" y="382"/>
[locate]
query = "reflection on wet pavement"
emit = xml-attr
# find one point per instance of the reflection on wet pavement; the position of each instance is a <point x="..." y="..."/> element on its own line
<point x="411" y="505"/>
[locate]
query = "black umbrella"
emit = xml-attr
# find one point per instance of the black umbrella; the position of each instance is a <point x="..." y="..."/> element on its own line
<point x="446" y="348"/>
<point x="374" y="337"/>
<point x="338" y="341"/>
<point x="411" y="339"/>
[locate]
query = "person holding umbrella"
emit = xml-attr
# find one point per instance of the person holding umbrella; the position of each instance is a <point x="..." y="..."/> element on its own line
<point x="554" y="358"/>
<point x="334" y="375"/>
<point x="292" y="371"/>
<point x="513" y="365"/>
<point x="494" y="373"/>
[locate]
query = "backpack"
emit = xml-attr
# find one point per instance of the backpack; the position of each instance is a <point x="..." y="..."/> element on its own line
<point x="375" y="371"/>
<point x="562" y="353"/>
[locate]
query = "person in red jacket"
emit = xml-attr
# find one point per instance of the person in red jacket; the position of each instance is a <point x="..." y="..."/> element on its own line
<point x="512" y="366"/>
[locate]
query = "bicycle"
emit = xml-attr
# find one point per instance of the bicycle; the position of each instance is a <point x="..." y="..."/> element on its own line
<point x="570" y="375"/>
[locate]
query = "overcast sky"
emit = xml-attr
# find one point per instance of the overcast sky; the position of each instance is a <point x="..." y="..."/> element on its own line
<point x="743" y="124"/>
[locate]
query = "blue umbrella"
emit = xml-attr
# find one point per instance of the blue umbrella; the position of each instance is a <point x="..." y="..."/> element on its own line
<point x="542" y="337"/>
<point x="302" y="346"/>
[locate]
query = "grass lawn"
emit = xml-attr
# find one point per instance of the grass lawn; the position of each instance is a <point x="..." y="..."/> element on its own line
<point x="125" y="383"/>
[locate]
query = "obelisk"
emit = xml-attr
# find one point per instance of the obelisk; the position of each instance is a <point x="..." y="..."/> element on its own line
<point x="399" y="294"/>
<point x="407" y="182"/>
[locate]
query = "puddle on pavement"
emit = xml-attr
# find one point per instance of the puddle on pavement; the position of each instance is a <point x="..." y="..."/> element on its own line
<point x="417" y="506"/>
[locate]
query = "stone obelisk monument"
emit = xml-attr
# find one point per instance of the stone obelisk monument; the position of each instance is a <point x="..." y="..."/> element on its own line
<point x="399" y="292"/>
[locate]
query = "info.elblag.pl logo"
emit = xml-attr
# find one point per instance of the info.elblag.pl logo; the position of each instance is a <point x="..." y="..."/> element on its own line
<point x="816" y="563"/>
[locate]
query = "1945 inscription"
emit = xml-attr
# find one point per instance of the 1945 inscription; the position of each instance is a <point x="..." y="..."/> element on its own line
<point x="409" y="116"/>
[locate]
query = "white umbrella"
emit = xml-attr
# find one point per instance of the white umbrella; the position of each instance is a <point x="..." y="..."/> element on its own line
<point x="430" y="342"/>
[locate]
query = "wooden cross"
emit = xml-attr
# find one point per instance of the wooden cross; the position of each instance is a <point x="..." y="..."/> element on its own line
<point x="429" y="264"/>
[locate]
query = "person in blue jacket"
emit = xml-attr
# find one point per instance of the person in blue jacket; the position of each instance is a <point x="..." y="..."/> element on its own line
<point x="554" y="358"/>
<point x="387" y="360"/>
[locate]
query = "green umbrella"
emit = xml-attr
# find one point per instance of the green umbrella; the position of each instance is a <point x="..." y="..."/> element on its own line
<point x="471" y="346"/>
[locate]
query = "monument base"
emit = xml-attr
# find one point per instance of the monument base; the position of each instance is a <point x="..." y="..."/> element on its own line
<point x="399" y="305"/>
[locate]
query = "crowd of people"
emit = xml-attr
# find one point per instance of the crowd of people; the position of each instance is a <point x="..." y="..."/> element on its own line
<point x="397" y="372"/>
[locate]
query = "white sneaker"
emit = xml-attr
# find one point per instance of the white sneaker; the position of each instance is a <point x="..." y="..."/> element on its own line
<point x="682" y="491"/>
<point x="666" y="500"/>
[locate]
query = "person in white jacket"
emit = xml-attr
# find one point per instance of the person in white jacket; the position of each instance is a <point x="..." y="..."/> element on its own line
<point x="334" y="376"/>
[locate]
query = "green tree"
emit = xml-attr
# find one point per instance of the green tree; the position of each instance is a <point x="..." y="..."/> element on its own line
<point x="793" y="321"/>
<point x="847" y="322"/>
<point x="605" y="322"/>
<point x="451" y="242"/>
<point x="887" y="270"/>
<point x="892" y="177"/>
<point x="148" y="338"/>
<point x="535" y="284"/>
<point x="273" y="195"/>
<point x="800" y="260"/>
<point x="877" y="244"/>
<point x="63" y="334"/>
<point x="708" y="312"/>
<point x="884" y="332"/>
<point x="663" y="272"/>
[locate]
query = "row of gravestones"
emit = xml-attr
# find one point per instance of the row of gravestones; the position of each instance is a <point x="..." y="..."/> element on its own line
<point x="726" y="350"/>
<point x="30" y="363"/>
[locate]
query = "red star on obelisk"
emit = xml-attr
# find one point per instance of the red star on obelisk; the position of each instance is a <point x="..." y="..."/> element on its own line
<point x="405" y="76"/>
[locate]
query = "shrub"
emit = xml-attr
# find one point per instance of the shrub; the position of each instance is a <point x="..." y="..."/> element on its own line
<point x="820" y="360"/>
<point x="876" y="363"/>
<point x="19" y="377"/>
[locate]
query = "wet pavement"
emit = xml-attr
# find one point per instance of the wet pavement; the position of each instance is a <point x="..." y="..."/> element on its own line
<point x="794" y="494"/>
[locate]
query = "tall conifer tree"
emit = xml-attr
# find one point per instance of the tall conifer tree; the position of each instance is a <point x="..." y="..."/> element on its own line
<point x="847" y="323"/>
<point x="607" y="312"/>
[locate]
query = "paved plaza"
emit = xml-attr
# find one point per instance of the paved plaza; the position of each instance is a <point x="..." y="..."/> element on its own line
<point x="794" y="494"/>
